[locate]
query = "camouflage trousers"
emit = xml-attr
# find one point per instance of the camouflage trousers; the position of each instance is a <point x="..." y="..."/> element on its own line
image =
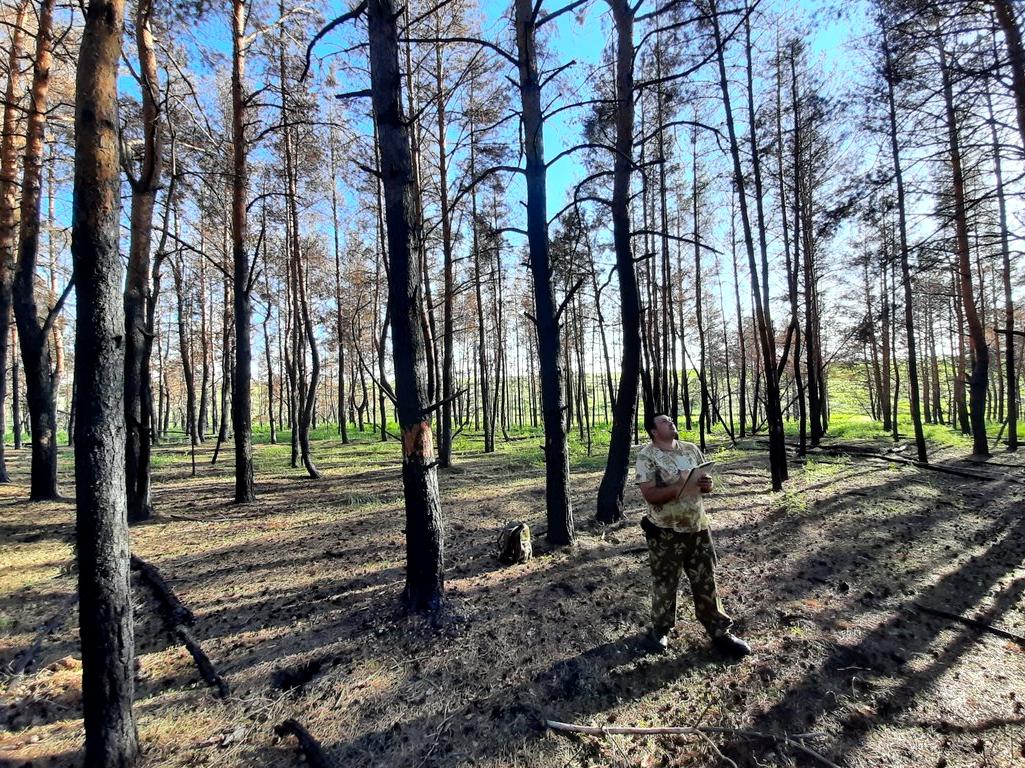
<point x="669" y="553"/>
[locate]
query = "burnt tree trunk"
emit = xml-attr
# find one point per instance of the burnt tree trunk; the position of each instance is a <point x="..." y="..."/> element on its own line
<point x="976" y="333"/>
<point x="424" y="532"/>
<point x="905" y="268"/>
<point x="107" y="637"/>
<point x="742" y="384"/>
<point x="809" y="406"/>
<point x="791" y="261"/>
<point x="241" y="385"/>
<point x="34" y="321"/>
<point x="774" y="417"/>
<point x="1010" y="364"/>
<point x="138" y="413"/>
<point x="703" y="413"/>
<point x="624" y="409"/>
<point x="448" y="261"/>
<point x="557" y="499"/>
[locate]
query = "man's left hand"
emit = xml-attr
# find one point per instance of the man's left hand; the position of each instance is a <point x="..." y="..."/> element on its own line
<point x="705" y="484"/>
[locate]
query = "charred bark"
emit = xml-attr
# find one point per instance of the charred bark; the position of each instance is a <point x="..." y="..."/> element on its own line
<point x="108" y="646"/>
<point x="557" y="499"/>
<point x="976" y="333"/>
<point x="139" y="334"/>
<point x="241" y="385"/>
<point x="34" y="320"/>
<point x="424" y="533"/>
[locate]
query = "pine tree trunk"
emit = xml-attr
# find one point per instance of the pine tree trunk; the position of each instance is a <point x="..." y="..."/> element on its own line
<point x="934" y="364"/>
<point x="206" y="354"/>
<point x="241" y="390"/>
<point x="976" y="332"/>
<point x="107" y="637"/>
<point x="557" y="499"/>
<point x="703" y="414"/>
<point x="138" y="415"/>
<point x="16" y="392"/>
<point x="185" y="348"/>
<point x="1010" y="364"/>
<point x="896" y="364"/>
<point x="303" y="321"/>
<point x="343" y="426"/>
<point x="905" y="269"/>
<point x="424" y="532"/>
<point x="9" y="213"/>
<point x="884" y="393"/>
<point x="777" y="446"/>
<point x="33" y="319"/>
<point x="1004" y="10"/>
<point x="482" y="349"/>
<point x="268" y="361"/>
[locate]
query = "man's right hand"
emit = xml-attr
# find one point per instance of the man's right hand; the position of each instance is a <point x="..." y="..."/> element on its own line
<point x="680" y="484"/>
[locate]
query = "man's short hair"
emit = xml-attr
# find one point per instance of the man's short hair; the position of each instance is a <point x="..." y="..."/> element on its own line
<point x="649" y="422"/>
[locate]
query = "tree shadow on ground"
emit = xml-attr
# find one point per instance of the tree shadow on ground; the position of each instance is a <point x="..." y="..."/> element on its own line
<point x="903" y="635"/>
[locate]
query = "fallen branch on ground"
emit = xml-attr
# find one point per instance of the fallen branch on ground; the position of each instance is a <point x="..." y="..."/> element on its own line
<point x="988" y="462"/>
<point x="309" y="746"/>
<point x="175" y="611"/>
<point x="703" y="730"/>
<point x="934" y="467"/>
<point x="197" y="519"/>
<point x="206" y="667"/>
<point x="847" y="450"/>
<point x="177" y="616"/>
<point x="980" y="625"/>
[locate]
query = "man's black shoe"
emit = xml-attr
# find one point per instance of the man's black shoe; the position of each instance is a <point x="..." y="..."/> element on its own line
<point x="731" y="645"/>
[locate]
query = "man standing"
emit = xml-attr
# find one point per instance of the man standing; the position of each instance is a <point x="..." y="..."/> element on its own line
<point x="679" y="539"/>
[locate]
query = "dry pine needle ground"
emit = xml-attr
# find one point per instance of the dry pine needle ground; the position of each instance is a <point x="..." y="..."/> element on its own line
<point x="296" y="602"/>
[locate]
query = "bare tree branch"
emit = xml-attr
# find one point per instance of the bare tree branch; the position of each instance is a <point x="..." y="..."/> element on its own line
<point x="355" y="13"/>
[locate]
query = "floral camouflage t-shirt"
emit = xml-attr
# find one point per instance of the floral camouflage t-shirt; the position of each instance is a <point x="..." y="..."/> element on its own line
<point x="686" y="514"/>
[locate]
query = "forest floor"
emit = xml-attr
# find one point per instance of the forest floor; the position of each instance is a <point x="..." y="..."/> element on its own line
<point x="822" y="579"/>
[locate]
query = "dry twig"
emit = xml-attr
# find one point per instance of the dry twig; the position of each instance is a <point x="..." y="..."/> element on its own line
<point x="703" y="731"/>
<point x="177" y="616"/>
<point x="980" y="625"/>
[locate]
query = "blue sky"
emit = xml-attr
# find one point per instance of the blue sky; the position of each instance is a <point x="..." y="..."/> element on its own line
<point x="567" y="39"/>
<point x="583" y="43"/>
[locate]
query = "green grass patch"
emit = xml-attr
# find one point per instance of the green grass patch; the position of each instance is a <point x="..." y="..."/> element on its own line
<point x="817" y="468"/>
